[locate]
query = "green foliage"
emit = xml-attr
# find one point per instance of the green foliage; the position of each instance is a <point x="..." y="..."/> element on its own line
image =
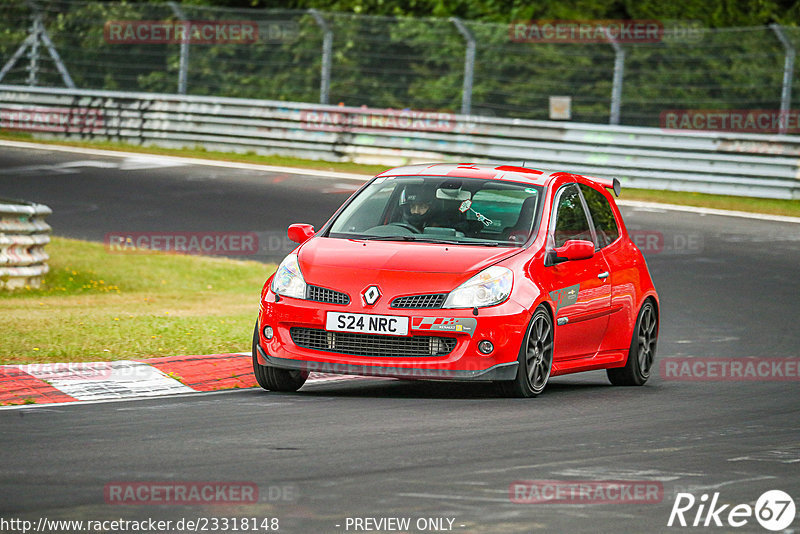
<point x="710" y="13"/>
<point x="392" y="61"/>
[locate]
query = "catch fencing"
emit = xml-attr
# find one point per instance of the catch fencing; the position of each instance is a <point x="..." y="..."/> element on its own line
<point x="516" y="69"/>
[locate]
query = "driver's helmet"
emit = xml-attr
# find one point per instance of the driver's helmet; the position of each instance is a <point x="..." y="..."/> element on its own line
<point x="416" y="203"/>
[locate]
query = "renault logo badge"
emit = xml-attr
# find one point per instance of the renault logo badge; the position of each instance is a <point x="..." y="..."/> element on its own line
<point x="371" y="295"/>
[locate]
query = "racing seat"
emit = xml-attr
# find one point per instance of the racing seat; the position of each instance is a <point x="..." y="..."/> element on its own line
<point x="519" y="232"/>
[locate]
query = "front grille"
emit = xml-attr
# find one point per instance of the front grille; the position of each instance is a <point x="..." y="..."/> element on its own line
<point x="372" y="345"/>
<point x="329" y="296"/>
<point x="420" y="301"/>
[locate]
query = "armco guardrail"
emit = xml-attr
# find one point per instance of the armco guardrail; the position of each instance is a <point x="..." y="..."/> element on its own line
<point x="716" y="162"/>
<point x="23" y="235"/>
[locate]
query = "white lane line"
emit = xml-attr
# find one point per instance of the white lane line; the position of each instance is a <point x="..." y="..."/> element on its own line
<point x="73" y="167"/>
<point x="52" y="406"/>
<point x="145" y="161"/>
<point x="125" y="380"/>
<point x="707" y="211"/>
<point x="70" y="167"/>
<point x="180" y="160"/>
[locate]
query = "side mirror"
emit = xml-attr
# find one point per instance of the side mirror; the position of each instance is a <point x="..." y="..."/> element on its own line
<point x="300" y="233"/>
<point x="574" y="249"/>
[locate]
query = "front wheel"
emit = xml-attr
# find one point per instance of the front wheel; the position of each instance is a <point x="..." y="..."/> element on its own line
<point x="272" y="378"/>
<point x="642" y="351"/>
<point x="535" y="358"/>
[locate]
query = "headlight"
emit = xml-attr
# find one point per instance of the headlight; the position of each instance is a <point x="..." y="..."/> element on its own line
<point x="487" y="288"/>
<point x="288" y="279"/>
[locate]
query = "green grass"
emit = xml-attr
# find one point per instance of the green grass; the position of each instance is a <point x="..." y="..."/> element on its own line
<point x="99" y="306"/>
<point x="726" y="202"/>
<point x="723" y="202"/>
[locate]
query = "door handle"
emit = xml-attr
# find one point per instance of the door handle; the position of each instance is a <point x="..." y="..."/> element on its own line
<point x="603" y="275"/>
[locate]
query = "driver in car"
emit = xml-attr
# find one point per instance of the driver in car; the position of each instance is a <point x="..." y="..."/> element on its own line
<point x="416" y="207"/>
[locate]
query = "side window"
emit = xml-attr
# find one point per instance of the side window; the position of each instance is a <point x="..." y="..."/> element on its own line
<point x="605" y="225"/>
<point x="571" y="220"/>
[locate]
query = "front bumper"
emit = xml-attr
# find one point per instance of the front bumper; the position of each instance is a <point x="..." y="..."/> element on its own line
<point x="503" y="325"/>
<point x="503" y="371"/>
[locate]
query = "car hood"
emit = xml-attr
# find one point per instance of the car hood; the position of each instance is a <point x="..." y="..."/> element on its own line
<point x="398" y="256"/>
<point x="350" y="264"/>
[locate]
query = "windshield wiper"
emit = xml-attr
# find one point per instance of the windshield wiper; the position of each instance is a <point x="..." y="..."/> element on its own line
<point x="455" y="242"/>
<point x="484" y="244"/>
<point x="476" y="243"/>
<point x="420" y="239"/>
<point x="385" y="238"/>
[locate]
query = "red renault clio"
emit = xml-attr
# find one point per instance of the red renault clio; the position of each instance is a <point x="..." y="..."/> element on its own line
<point x="462" y="272"/>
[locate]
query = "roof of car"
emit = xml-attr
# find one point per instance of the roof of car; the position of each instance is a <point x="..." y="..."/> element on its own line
<point x="473" y="170"/>
<point x="510" y="173"/>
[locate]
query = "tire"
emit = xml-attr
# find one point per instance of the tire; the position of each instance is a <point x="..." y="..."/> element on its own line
<point x="272" y="378"/>
<point x="535" y="358"/>
<point x="642" y="352"/>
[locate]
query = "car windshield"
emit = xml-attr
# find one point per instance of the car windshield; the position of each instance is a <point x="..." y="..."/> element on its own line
<point x="468" y="211"/>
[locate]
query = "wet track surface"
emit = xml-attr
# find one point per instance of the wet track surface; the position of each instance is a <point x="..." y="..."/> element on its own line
<point x="384" y="448"/>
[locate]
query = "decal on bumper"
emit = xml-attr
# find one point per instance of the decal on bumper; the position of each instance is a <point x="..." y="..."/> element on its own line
<point x="445" y="324"/>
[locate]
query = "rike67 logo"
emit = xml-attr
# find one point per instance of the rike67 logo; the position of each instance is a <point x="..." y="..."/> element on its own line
<point x="774" y="510"/>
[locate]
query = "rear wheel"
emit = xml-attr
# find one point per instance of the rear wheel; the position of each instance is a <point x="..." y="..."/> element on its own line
<point x="535" y="358"/>
<point x="642" y="351"/>
<point x="275" y="379"/>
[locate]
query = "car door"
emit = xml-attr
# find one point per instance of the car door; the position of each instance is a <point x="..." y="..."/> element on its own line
<point x="580" y="289"/>
<point x="622" y="266"/>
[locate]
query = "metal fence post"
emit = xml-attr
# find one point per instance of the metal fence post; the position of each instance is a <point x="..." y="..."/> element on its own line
<point x="183" y="69"/>
<point x="17" y="55"/>
<point x="62" y="69"/>
<point x="327" y="53"/>
<point x="33" y="50"/>
<point x="469" y="65"/>
<point x="619" y="72"/>
<point x="788" y="71"/>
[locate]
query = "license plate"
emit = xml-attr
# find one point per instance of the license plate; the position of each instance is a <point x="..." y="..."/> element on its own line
<point x="367" y="324"/>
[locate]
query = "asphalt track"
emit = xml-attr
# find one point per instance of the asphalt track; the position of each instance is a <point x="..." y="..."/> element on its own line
<point x="729" y="288"/>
